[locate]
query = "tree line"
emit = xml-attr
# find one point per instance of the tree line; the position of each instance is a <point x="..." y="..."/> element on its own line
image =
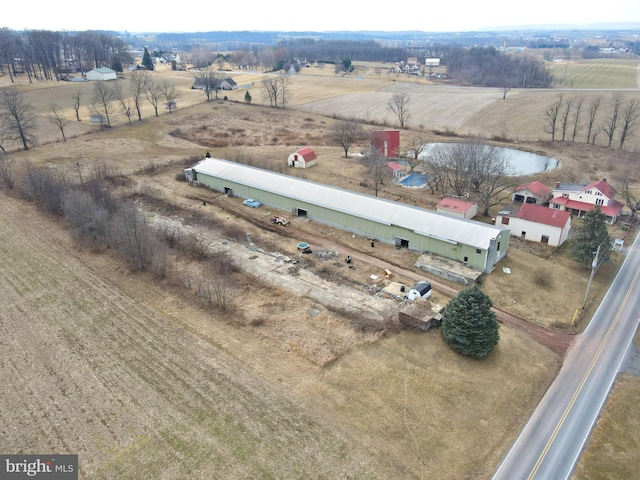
<point x="108" y="101"/>
<point x="486" y="66"/>
<point x="49" y="55"/>
<point x="571" y="118"/>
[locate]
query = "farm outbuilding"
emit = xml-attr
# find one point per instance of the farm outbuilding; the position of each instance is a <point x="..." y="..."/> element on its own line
<point x="476" y="244"/>
<point x="302" y="158"/>
<point x="537" y="223"/>
<point x="387" y="142"/>
<point x="533" y="192"/>
<point x="101" y="74"/>
<point x="457" y="207"/>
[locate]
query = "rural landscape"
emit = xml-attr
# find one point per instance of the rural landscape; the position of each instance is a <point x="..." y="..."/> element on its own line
<point x="161" y="329"/>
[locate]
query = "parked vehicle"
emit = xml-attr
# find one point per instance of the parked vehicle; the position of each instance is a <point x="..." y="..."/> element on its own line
<point x="251" y="202"/>
<point x="278" y="220"/>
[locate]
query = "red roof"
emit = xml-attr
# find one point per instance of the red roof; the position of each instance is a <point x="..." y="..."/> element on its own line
<point x="536" y="187"/>
<point x="603" y="186"/>
<point x="455" y="204"/>
<point x="545" y="215"/>
<point x="394" y="166"/>
<point x="307" y="153"/>
<point x="611" y="210"/>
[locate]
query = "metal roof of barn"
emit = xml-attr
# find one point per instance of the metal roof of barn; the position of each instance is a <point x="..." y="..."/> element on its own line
<point x="424" y="222"/>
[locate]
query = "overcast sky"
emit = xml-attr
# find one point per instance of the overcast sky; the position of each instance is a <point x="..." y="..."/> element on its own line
<point x="297" y="15"/>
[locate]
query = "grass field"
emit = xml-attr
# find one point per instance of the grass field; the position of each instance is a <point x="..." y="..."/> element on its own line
<point x="142" y="382"/>
<point x="599" y="73"/>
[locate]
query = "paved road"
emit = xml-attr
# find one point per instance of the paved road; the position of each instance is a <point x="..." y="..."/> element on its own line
<point x="551" y="442"/>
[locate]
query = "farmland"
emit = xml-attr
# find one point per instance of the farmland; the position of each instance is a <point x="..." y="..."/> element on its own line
<point x="144" y="382"/>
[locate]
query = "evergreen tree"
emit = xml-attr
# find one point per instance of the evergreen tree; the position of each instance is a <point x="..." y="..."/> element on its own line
<point x="247" y="97"/>
<point x="469" y="325"/>
<point x="146" y="60"/>
<point x="590" y="235"/>
<point x="116" y="64"/>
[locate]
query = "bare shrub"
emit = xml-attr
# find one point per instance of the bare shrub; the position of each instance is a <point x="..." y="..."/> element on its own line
<point x="196" y="243"/>
<point x="7" y="165"/>
<point x="89" y="220"/>
<point x="169" y="235"/>
<point x="102" y="172"/>
<point x="234" y="231"/>
<point x="46" y="187"/>
<point x="132" y="236"/>
<point x="542" y="278"/>
<point x="362" y="323"/>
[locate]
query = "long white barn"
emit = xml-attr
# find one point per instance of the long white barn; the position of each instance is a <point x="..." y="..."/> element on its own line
<point x="474" y="243"/>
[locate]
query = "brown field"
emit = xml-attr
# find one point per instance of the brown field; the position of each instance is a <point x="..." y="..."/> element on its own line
<point x="142" y="381"/>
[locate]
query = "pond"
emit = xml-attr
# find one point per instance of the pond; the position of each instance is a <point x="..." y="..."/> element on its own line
<point x="521" y="162"/>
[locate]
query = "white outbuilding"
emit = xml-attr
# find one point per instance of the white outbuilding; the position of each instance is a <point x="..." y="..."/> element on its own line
<point x="303" y="158"/>
<point x="101" y="74"/>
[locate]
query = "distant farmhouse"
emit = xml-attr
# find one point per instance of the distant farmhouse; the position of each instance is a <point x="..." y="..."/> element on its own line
<point x="475" y="244"/>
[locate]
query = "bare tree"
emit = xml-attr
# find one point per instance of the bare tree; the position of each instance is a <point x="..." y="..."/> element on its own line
<point x="489" y="175"/>
<point x="139" y="80"/>
<point x="399" y="105"/>
<point x="416" y="147"/>
<point x="564" y="117"/>
<point x="276" y="89"/>
<point x="630" y="195"/>
<point x="6" y="171"/>
<point x="170" y="94"/>
<point x="56" y="118"/>
<point x="377" y="169"/>
<point x="592" y="114"/>
<point x="449" y="161"/>
<point x="577" y="112"/>
<point x="611" y="123"/>
<point x="209" y="81"/>
<point x="8" y="47"/>
<point x="17" y="120"/>
<point x="75" y="97"/>
<point x="123" y="99"/>
<point x="345" y="133"/>
<point x="153" y="94"/>
<point x="629" y="120"/>
<point x="102" y="107"/>
<point x="552" y="114"/>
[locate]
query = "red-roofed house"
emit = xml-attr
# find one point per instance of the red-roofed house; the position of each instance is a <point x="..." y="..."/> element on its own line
<point x="580" y="198"/>
<point x="457" y="208"/>
<point x="533" y="192"/>
<point x="303" y="158"/>
<point x="537" y="223"/>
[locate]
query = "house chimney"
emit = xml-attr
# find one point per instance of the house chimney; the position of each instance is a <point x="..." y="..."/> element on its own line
<point x="557" y="184"/>
<point x="604" y="179"/>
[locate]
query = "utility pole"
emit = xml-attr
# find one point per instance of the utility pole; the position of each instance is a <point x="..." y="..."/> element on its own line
<point x="594" y="267"/>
